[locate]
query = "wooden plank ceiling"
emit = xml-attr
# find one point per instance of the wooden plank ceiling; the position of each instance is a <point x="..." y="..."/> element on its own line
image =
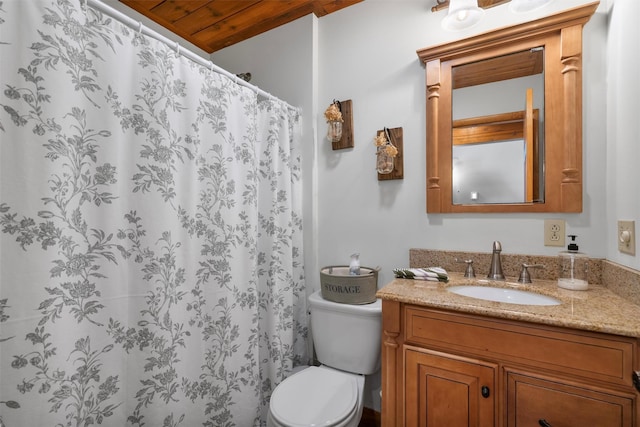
<point x="214" y="24"/>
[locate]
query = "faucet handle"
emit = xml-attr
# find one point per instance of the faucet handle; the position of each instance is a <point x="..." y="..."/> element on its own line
<point x="468" y="272"/>
<point x="524" y="273"/>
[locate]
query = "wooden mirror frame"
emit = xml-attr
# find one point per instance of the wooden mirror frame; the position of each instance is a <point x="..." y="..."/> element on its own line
<point x="561" y="34"/>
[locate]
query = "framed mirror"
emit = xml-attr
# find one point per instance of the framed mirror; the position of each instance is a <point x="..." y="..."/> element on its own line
<point x="504" y="118"/>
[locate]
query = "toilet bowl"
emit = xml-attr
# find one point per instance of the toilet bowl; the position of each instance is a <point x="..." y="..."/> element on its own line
<point x="317" y="396"/>
<point x="347" y="340"/>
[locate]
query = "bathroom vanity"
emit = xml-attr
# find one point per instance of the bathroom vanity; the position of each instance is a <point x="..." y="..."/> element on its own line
<point x="452" y="360"/>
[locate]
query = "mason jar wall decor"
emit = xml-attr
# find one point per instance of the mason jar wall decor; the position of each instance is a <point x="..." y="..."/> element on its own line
<point x="385" y="153"/>
<point x="334" y="130"/>
<point x="384" y="161"/>
<point x="389" y="162"/>
<point x="339" y="117"/>
<point x="333" y="114"/>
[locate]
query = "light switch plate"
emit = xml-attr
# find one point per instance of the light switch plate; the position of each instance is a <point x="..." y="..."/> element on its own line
<point x="627" y="237"/>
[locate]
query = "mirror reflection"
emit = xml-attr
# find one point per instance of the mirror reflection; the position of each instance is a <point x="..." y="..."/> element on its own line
<point x="498" y="129"/>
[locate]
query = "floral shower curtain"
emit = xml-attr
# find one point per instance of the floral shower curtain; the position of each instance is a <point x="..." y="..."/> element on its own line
<point x="151" y="236"/>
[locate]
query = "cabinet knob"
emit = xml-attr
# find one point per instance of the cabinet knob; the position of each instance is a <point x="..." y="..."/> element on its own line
<point x="544" y="423"/>
<point x="485" y="391"/>
<point x="636" y="379"/>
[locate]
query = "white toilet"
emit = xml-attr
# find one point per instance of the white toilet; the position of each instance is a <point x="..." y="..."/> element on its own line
<point x="347" y="343"/>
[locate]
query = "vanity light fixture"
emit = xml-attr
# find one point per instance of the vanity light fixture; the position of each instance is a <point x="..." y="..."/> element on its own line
<point x="523" y="6"/>
<point x="462" y="14"/>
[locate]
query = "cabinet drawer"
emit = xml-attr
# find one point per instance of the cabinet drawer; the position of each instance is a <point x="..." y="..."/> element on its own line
<point x="593" y="356"/>
<point x="531" y="399"/>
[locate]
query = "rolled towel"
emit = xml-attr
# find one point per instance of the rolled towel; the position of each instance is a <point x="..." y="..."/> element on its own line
<point x="434" y="274"/>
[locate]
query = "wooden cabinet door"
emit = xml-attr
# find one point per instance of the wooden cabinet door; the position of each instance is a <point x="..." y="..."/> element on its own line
<point x="447" y="390"/>
<point x="533" y="401"/>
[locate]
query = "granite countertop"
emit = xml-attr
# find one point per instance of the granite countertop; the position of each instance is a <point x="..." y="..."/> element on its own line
<point x="597" y="309"/>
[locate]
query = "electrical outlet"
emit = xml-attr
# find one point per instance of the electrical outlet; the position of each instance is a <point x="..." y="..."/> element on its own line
<point x="554" y="232"/>
<point x="627" y="237"/>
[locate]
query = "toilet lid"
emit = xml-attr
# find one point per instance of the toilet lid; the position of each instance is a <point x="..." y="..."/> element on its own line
<point x="314" y="397"/>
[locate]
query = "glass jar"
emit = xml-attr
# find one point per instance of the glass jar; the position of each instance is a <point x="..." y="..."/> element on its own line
<point x="334" y="130"/>
<point x="384" y="163"/>
<point x="573" y="268"/>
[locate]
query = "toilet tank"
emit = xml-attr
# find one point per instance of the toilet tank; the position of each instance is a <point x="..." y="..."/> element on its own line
<point x="346" y="336"/>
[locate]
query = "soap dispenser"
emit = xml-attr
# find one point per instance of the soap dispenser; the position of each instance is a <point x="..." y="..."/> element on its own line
<point x="573" y="268"/>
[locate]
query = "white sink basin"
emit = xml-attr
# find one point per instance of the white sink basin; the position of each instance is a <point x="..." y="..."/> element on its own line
<point x="511" y="296"/>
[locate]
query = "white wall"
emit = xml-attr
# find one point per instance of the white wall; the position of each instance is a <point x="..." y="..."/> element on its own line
<point x="623" y="124"/>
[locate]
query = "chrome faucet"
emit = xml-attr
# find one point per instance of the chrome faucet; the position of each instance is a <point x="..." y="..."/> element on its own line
<point x="495" y="273"/>
<point x="469" y="273"/>
<point x="525" y="277"/>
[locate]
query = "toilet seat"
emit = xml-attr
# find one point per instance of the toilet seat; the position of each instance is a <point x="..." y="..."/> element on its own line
<point x="316" y="396"/>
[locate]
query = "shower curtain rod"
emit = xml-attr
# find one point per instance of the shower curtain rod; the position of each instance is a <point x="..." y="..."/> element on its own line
<point x="114" y="13"/>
